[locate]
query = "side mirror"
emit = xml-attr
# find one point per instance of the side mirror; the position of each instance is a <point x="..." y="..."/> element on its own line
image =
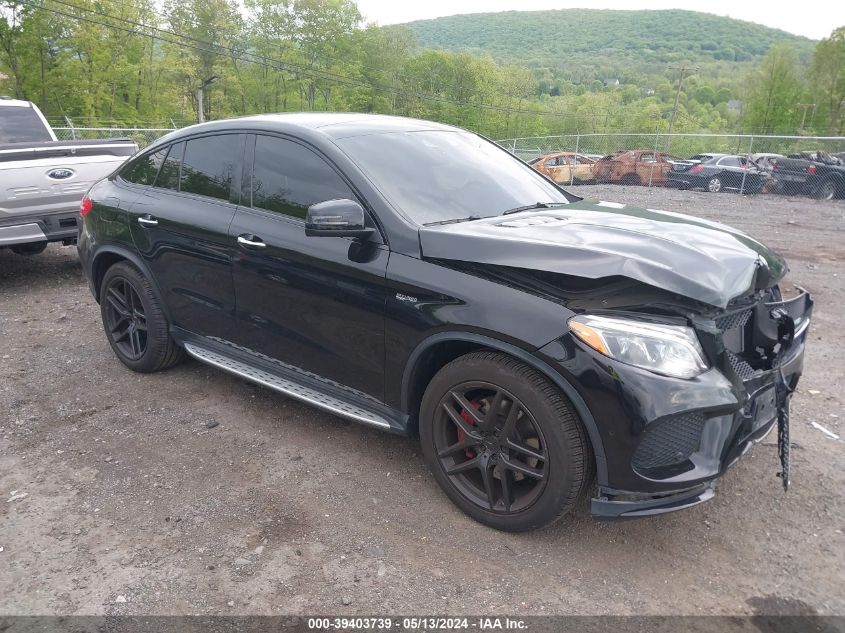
<point x="336" y="218"/>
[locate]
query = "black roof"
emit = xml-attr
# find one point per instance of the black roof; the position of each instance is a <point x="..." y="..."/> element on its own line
<point x="334" y="125"/>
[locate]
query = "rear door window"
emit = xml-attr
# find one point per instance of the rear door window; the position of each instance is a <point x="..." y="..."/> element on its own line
<point x="209" y="165"/>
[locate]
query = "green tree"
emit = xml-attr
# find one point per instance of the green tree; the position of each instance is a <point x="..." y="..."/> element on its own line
<point x="322" y="31"/>
<point x="828" y="77"/>
<point x="212" y="26"/>
<point x="12" y="17"/>
<point x="774" y="92"/>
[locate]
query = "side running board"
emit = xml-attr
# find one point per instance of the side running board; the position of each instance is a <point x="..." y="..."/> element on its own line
<point x="287" y="387"/>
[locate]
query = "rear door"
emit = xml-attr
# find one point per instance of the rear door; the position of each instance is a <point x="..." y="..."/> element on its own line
<point x="181" y="227"/>
<point x="583" y="167"/>
<point x="731" y="171"/>
<point x="316" y="303"/>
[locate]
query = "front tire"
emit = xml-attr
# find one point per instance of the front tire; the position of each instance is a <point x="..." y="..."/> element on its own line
<point x="504" y="443"/>
<point x="134" y="321"/>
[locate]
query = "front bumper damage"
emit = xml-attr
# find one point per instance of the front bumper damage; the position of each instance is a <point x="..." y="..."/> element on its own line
<point x="672" y="439"/>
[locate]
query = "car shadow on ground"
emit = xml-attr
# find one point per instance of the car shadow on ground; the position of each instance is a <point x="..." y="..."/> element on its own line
<point x="54" y="265"/>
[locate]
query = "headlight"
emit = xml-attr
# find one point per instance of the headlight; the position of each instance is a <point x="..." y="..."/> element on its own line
<point x="671" y="350"/>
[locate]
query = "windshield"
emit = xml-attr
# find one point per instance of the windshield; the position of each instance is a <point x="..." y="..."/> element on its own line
<point x="436" y="176"/>
<point x="21" y="125"/>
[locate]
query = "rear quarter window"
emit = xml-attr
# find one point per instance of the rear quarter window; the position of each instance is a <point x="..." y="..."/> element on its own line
<point x="168" y="175"/>
<point x="144" y="169"/>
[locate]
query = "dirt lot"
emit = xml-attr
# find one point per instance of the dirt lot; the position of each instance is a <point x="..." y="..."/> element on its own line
<point x="193" y="492"/>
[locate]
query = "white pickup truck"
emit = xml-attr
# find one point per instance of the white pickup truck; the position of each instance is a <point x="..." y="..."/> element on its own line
<point x="42" y="180"/>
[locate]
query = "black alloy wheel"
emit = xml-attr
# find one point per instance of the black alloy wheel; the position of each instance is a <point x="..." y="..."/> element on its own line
<point x="488" y="443"/>
<point x="126" y="322"/>
<point x="504" y="443"/>
<point x="134" y="321"/>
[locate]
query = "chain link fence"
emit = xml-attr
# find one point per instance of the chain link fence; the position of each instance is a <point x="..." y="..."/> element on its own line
<point x="676" y="145"/>
<point x="642" y="159"/>
<point x="648" y="159"/>
<point x="142" y="136"/>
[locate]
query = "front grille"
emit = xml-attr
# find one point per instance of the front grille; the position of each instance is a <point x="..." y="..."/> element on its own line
<point x="669" y="442"/>
<point x="740" y="367"/>
<point x="734" y="320"/>
<point x="734" y="336"/>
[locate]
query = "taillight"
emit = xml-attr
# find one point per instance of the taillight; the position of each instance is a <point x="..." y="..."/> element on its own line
<point x="811" y="170"/>
<point x="696" y="169"/>
<point x="85" y="206"/>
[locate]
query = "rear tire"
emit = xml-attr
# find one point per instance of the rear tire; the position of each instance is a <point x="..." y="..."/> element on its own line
<point x="31" y="248"/>
<point x="826" y="190"/>
<point x="525" y="470"/>
<point x="714" y="185"/>
<point x="134" y="322"/>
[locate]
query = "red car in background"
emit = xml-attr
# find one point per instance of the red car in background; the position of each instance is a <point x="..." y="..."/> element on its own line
<point x="634" y="167"/>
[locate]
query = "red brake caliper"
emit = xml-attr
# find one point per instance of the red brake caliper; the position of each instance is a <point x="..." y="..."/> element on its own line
<point x="465" y="415"/>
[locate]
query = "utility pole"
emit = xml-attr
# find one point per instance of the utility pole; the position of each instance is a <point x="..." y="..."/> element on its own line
<point x="804" y="114"/>
<point x="200" y="94"/>
<point x="682" y="71"/>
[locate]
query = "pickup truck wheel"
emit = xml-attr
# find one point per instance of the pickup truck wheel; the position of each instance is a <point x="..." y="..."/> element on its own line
<point x="825" y="191"/>
<point x="135" y="324"/>
<point x="714" y="185"/>
<point x="504" y="443"/>
<point x="32" y="248"/>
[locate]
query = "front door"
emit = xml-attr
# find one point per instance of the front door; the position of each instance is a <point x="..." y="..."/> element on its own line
<point x="316" y="303"/>
<point x="181" y="227"/>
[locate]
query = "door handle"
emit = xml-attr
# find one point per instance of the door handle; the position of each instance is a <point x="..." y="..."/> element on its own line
<point x="147" y="220"/>
<point x="250" y="241"/>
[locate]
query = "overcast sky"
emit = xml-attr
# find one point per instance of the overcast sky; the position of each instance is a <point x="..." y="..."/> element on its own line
<point x="815" y="19"/>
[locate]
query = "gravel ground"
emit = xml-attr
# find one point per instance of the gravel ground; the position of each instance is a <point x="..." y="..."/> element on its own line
<point x="191" y="491"/>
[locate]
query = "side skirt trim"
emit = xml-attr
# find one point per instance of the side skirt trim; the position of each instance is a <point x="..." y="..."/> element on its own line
<point x="287" y="387"/>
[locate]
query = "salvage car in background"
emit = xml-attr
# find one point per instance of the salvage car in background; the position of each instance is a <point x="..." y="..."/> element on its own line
<point x="634" y="167"/>
<point x="419" y="279"/>
<point x="764" y="161"/>
<point x="812" y="173"/>
<point x="43" y="179"/>
<point x="565" y="167"/>
<point x="717" y="172"/>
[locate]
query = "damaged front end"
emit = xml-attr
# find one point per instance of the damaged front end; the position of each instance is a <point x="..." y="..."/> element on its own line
<point x="757" y="345"/>
<point x="665" y="425"/>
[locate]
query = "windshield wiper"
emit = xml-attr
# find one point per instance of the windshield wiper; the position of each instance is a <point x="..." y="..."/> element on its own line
<point x="454" y="221"/>
<point x="536" y="205"/>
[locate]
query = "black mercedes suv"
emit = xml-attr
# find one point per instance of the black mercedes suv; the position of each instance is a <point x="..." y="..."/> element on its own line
<point x="417" y="278"/>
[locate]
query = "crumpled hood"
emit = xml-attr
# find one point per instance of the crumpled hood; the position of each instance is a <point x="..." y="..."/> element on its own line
<point x="701" y="260"/>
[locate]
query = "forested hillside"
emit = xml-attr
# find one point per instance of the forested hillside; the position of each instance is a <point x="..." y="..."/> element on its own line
<point x="585" y="44"/>
<point x="143" y="63"/>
